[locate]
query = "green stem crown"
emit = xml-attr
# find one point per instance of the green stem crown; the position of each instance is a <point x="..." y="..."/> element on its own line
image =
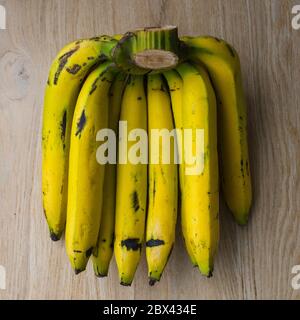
<point x="148" y="50"/>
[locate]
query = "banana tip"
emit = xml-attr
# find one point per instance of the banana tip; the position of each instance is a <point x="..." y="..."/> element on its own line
<point x="152" y="281"/>
<point x="77" y="271"/>
<point x="54" y="236"/>
<point x="101" y="275"/>
<point x="125" y="284"/>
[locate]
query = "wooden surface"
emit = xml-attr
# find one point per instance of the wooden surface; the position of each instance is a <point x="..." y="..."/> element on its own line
<point x="253" y="262"/>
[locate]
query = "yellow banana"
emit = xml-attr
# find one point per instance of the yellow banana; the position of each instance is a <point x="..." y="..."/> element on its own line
<point x="67" y="73"/>
<point x="200" y="196"/>
<point x="175" y="88"/>
<point x="86" y="175"/>
<point x="163" y="183"/>
<point x="131" y="186"/>
<point x="104" y="249"/>
<point x="223" y="65"/>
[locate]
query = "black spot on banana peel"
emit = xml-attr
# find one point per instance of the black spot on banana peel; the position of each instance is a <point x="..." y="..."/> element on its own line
<point x="62" y="62"/>
<point x="154" y="189"/>
<point x="89" y="252"/>
<point x="63" y="125"/>
<point x="131" y="244"/>
<point x="135" y="201"/>
<point x="81" y="123"/>
<point x="94" y="86"/>
<point x="74" y="69"/>
<point x="154" y="243"/>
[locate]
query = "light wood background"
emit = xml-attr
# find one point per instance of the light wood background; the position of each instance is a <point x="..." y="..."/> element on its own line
<point x="253" y="262"/>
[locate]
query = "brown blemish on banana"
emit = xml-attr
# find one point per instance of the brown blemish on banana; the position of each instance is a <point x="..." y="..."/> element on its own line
<point x="62" y="63"/>
<point x="89" y="252"/>
<point x="77" y="251"/>
<point x="90" y="58"/>
<point x="81" y="123"/>
<point x="154" y="243"/>
<point x="95" y="39"/>
<point x="242" y="170"/>
<point x="74" y="69"/>
<point x="135" y="201"/>
<point x="94" y="86"/>
<point x="63" y="125"/>
<point x="131" y="244"/>
<point x="154" y="189"/>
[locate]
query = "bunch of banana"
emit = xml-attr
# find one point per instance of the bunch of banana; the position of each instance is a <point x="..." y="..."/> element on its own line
<point x="125" y="119"/>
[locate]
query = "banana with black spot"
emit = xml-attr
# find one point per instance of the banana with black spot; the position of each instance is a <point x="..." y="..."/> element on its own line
<point x="104" y="249"/>
<point x="131" y="183"/>
<point x="175" y="86"/>
<point x="223" y="65"/>
<point x="162" y="176"/>
<point x="86" y="174"/>
<point x="200" y="192"/>
<point x="66" y="76"/>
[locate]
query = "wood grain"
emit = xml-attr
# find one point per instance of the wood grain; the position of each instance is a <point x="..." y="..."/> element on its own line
<point x="253" y="262"/>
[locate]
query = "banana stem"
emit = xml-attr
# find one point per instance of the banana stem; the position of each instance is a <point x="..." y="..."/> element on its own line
<point x="149" y="49"/>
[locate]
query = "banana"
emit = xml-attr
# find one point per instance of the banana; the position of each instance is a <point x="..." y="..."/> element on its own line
<point x="66" y="76"/>
<point x="163" y="183"/>
<point x="200" y="196"/>
<point x="104" y="249"/>
<point x="175" y="88"/>
<point x="86" y="175"/>
<point x="131" y="186"/>
<point x="223" y="65"/>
